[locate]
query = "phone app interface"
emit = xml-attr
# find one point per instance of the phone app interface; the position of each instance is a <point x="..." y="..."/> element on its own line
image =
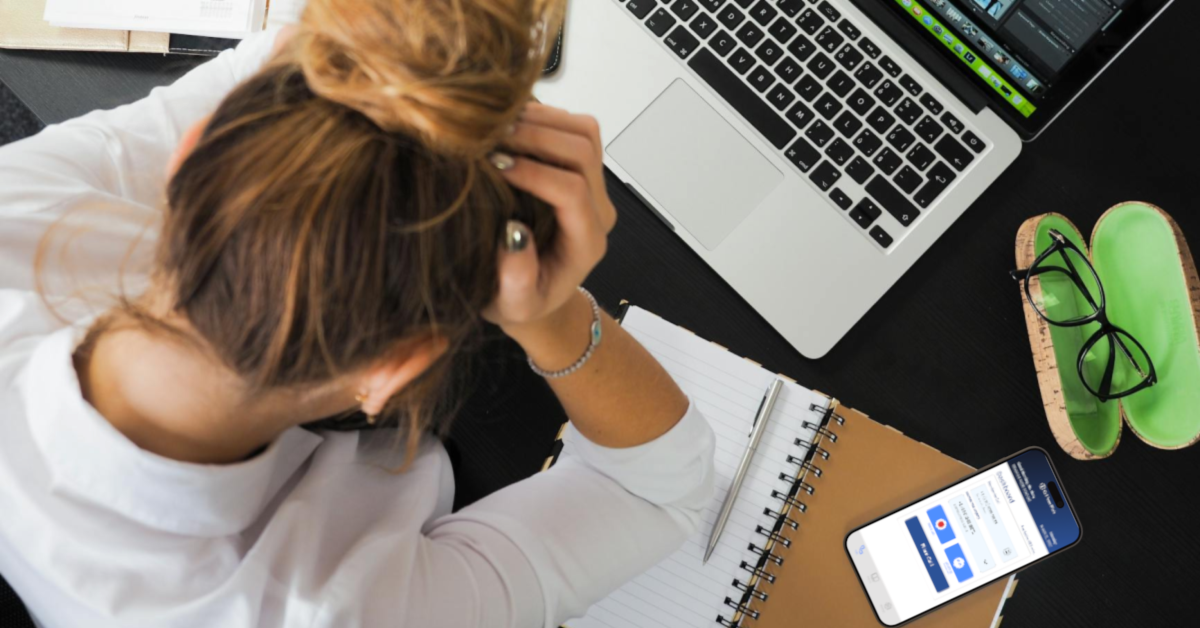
<point x="963" y="537"/>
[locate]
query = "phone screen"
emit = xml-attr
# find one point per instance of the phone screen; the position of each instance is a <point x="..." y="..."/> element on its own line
<point x="963" y="537"/>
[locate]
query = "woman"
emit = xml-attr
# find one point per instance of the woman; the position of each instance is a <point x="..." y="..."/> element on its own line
<point x="308" y="227"/>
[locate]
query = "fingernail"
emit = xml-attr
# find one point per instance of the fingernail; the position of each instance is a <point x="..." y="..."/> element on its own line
<point x="502" y="161"/>
<point x="516" y="236"/>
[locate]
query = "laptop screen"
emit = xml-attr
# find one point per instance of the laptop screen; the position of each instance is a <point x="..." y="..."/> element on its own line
<point x="1032" y="55"/>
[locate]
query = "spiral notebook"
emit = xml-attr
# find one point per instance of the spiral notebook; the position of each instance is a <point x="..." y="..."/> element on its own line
<point x="820" y="470"/>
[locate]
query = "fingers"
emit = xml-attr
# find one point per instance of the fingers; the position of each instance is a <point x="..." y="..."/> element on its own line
<point x="553" y="117"/>
<point x="518" y="297"/>
<point x="555" y="147"/>
<point x="581" y="233"/>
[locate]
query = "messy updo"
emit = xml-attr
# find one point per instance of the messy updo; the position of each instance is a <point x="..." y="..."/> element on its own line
<point x="339" y="202"/>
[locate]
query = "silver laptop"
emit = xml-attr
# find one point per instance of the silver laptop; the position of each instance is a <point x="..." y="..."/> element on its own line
<point x="811" y="150"/>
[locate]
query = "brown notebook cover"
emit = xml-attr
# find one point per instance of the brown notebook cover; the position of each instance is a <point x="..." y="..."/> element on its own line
<point x="872" y="470"/>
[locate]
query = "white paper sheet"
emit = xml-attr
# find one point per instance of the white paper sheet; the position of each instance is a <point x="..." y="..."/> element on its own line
<point x="218" y="18"/>
<point x="682" y="591"/>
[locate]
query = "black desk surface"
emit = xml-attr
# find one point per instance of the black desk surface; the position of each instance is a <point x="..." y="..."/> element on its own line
<point x="943" y="357"/>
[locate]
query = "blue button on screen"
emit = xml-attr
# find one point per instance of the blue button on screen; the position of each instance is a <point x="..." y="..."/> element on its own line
<point x="958" y="562"/>
<point x="927" y="557"/>
<point x="941" y="525"/>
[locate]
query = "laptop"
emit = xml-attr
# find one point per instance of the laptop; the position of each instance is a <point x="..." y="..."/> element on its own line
<point x="811" y="150"/>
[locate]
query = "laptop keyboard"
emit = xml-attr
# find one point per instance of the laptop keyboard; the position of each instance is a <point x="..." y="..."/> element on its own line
<point x="827" y="97"/>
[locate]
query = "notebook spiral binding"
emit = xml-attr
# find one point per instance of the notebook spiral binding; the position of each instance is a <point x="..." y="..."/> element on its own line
<point x="759" y="567"/>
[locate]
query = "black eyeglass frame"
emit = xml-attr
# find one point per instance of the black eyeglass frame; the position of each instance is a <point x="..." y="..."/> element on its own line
<point x="1100" y="315"/>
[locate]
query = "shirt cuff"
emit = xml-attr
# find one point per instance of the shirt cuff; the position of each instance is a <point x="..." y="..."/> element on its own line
<point x="673" y="469"/>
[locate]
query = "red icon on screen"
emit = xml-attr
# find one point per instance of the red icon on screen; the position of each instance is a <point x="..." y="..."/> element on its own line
<point x="940" y="524"/>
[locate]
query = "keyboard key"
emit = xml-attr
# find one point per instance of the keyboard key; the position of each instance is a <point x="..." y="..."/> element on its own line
<point x="682" y="42"/>
<point x="802" y="48"/>
<point x="741" y="61"/>
<point x="730" y="16"/>
<point x="744" y="3"/>
<point x="900" y="138"/>
<point x="704" y="25"/>
<point x="711" y="5"/>
<point x="840" y="83"/>
<point x="910" y="85"/>
<point x="903" y="211"/>
<point x="889" y="66"/>
<point x="685" y="9"/>
<point x="819" y="133"/>
<point x="868" y="142"/>
<point x="881" y="120"/>
<point x="660" y="22"/>
<point x="641" y="8"/>
<point x="763" y="12"/>
<point x="761" y="79"/>
<point x="952" y="123"/>
<point x="952" y="151"/>
<point x="828" y="106"/>
<point x="788" y="70"/>
<point x="849" y="29"/>
<point x="865" y="212"/>
<point x="908" y="179"/>
<point x="849" y="57"/>
<point x="908" y="111"/>
<point x="829" y="39"/>
<point x="920" y="157"/>
<point x="847" y="125"/>
<point x="800" y="115"/>
<point x="780" y="97"/>
<point x="791" y="8"/>
<point x="928" y="130"/>
<point x="860" y="101"/>
<point x="782" y="30"/>
<point x="809" y="88"/>
<point x="869" y="47"/>
<point x="743" y="99"/>
<point x="769" y="52"/>
<point x="840" y="152"/>
<point x="860" y="170"/>
<point x="931" y="103"/>
<point x="880" y="236"/>
<point x="940" y="177"/>
<point x="803" y="155"/>
<point x="810" y="22"/>
<point x="750" y="34"/>
<point x="868" y="75"/>
<point x="723" y="43"/>
<point x="825" y="176"/>
<point x="820" y="65"/>
<point x="829" y="12"/>
<point x="839" y="198"/>
<point x="973" y="142"/>
<point x="887" y="161"/>
<point x="888" y="93"/>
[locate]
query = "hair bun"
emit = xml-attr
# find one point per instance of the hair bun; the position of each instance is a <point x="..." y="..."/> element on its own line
<point x="452" y="73"/>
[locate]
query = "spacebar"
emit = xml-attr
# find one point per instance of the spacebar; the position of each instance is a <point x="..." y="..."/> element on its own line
<point x="742" y="98"/>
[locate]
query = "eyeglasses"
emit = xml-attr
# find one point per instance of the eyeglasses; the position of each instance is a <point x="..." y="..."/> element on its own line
<point x="1112" y="364"/>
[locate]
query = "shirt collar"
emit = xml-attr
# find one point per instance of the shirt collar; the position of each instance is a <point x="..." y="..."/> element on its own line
<point x="89" y="459"/>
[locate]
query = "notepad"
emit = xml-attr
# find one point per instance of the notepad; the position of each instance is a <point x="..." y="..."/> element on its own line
<point x="216" y="18"/>
<point x="780" y="562"/>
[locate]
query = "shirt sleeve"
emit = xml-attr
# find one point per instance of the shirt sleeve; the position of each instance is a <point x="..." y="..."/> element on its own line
<point x="107" y="166"/>
<point x="545" y="549"/>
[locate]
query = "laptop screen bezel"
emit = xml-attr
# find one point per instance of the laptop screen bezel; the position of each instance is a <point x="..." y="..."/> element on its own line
<point x="1087" y="64"/>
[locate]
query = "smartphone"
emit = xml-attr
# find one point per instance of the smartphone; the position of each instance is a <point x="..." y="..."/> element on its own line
<point x="999" y="520"/>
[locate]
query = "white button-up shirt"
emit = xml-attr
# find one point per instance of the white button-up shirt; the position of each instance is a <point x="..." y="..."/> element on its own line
<point x="314" y="531"/>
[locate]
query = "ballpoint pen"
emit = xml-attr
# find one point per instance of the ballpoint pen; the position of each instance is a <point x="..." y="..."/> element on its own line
<point x="760" y="426"/>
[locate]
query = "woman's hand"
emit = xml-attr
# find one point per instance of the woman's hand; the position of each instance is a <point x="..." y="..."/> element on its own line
<point x="557" y="157"/>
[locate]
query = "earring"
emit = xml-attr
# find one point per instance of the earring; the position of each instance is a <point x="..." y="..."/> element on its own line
<point x="361" y="398"/>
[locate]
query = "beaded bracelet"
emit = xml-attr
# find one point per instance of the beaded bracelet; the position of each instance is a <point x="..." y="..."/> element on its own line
<point x="593" y="334"/>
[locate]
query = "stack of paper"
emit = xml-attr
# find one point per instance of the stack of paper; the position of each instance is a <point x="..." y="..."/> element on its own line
<point x="212" y="18"/>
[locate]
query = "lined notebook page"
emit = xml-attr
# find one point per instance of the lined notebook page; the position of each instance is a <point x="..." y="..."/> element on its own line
<point x="681" y="591"/>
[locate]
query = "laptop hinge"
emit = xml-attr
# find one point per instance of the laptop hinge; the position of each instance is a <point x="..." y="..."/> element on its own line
<point x="922" y="50"/>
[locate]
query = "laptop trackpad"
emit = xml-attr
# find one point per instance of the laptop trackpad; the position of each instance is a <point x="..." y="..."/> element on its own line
<point x="694" y="164"/>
